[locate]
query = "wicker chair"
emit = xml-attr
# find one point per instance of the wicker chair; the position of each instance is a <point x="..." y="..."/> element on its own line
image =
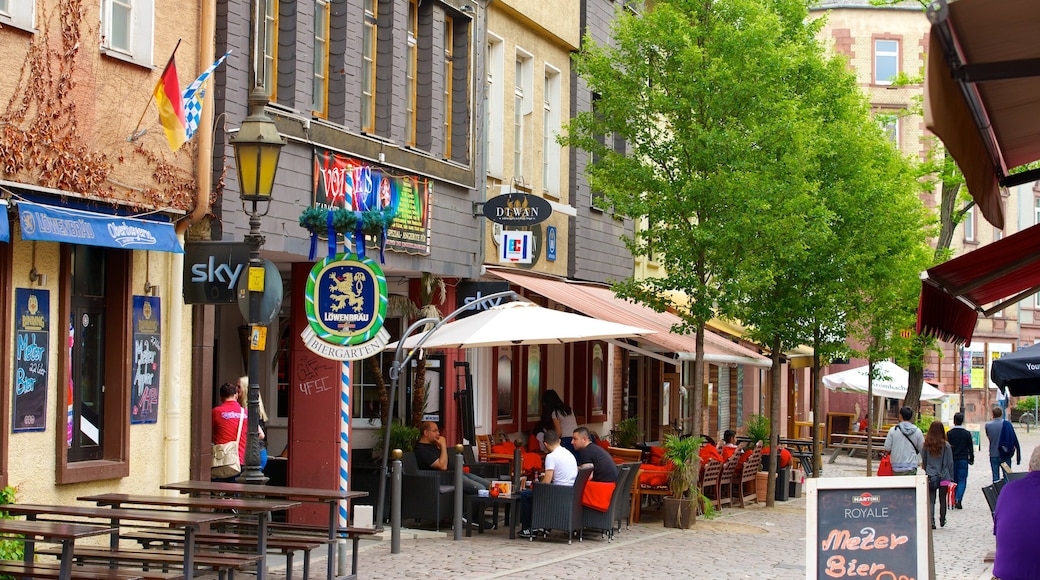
<point x="624" y="509"/>
<point x="558" y="507"/>
<point x="593" y="519"/>
<point x="425" y="494"/>
<point x="744" y="487"/>
<point x="729" y="469"/>
<point x="710" y="477"/>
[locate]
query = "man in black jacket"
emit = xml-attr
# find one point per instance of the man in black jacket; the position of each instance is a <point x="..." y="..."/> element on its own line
<point x="963" y="455"/>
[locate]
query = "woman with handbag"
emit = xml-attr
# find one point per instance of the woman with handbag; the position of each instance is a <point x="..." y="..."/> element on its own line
<point x="229" y="424"/>
<point x="938" y="466"/>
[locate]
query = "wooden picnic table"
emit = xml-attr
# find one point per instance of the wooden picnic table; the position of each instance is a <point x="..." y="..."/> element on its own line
<point x="261" y="508"/>
<point x="853" y="442"/>
<point x="333" y="497"/>
<point x="802" y="450"/>
<point x="189" y="522"/>
<point x="64" y="533"/>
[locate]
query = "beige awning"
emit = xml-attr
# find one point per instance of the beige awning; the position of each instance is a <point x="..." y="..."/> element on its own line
<point x="982" y="92"/>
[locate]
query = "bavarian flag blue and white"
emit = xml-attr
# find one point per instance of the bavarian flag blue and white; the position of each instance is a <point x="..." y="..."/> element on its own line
<point x="193" y="96"/>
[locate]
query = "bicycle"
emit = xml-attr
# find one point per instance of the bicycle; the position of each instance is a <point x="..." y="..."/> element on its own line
<point x="1027" y="420"/>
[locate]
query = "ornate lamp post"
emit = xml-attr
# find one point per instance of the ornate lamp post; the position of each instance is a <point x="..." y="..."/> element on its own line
<point x="257" y="147"/>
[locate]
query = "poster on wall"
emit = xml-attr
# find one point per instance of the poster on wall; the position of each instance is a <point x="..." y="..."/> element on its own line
<point x="978" y="365"/>
<point x="31" y="359"/>
<point x="341" y="181"/>
<point x="869" y="527"/>
<point x="144" y="390"/>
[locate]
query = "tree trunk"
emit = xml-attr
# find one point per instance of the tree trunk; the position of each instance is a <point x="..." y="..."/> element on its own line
<point x="698" y="382"/>
<point x="419" y="392"/>
<point x="774" y="422"/>
<point x="817" y="459"/>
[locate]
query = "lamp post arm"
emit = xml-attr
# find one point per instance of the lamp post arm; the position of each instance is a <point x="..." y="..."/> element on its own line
<point x="395" y="374"/>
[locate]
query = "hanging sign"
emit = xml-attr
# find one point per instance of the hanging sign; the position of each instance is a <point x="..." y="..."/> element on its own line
<point x="867" y="527"/>
<point x="144" y="391"/>
<point x="516" y="247"/>
<point x="517" y="209"/>
<point x="345" y="303"/>
<point x="31" y="359"/>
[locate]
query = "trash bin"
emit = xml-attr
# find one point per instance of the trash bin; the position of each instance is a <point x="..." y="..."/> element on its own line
<point x="782" y="478"/>
<point x="794" y="489"/>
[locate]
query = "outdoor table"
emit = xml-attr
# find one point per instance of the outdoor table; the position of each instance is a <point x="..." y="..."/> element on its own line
<point x="476" y="510"/>
<point x="58" y="532"/>
<point x="304" y="494"/>
<point x="853" y="442"/>
<point x="262" y="508"/>
<point x="190" y="522"/>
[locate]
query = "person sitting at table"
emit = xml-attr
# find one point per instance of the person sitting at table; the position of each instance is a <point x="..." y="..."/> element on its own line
<point x="710" y="450"/>
<point x="560" y="469"/>
<point x="729" y="444"/>
<point x="603" y="466"/>
<point x="228" y="422"/>
<point x="431" y="452"/>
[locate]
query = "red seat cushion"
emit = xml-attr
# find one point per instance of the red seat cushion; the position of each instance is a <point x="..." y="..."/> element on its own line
<point x="656" y="455"/>
<point x="654" y="475"/>
<point x="597" y="495"/>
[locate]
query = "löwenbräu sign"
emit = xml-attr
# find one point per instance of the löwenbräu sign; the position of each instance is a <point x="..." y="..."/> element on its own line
<point x="860" y="527"/>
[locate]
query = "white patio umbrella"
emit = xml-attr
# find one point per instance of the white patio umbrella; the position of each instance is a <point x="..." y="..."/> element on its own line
<point x="515" y="323"/>
<point x="890" y="381"/>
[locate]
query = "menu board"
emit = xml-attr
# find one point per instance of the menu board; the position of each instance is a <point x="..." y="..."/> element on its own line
<point x="144" y="391"/>
<point x="868" y="527"/>
<point x="31" y="359"/>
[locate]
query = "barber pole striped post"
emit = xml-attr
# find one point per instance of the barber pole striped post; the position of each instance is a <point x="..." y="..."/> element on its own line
<point x="344" y="438"/>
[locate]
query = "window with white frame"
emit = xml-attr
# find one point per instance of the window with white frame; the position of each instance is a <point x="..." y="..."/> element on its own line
<point x="270" y="35"/>
<point x="449" y="75"/>
<point x="368" y="66"/>
<point x="319" y="99"/>
<point x="494" y="112"/>
<point x="523" y="104"/>
<point x="18" y="13"/>
<point x="969" y="224"/>
<point x="1036" y="211"/>
<point x="411" y="66"/>
<point x="550" y="129"/>
<point x="126" y="30"/>
<point x="886" y="61"/>
<point x="890" y="126"/>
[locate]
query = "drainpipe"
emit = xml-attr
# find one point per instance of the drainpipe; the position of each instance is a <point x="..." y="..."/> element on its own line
<point x="172" y="401"/>
<point x="204" y="163"/>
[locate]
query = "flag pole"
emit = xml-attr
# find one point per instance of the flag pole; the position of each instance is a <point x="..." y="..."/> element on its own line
<point x="133" y="135"/>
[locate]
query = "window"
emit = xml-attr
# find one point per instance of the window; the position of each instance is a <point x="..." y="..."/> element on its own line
<point x="519" y="378"/>
<point x="886" y="61"/>
<point x="410" y="68"/>
<point x="449" y="71"/>
<point x="969" y="224"/>
<point x="368" y="67"/>
<point x="534" y="383"/>
<point x="18" y="13"/>
<point x="364" y="385"/>
<point x="270" y="34"/>
<point x="522" y="106"/>
<point x="97" y="314"/>
<point x="1036" y="211"/>
<point x="126" y="30"/>
<point x="550" y="129"/>
<point x="890" y="126"/>
<point x="504" y="388"/>
<point x="494" y="112"/>
<point x="320" y="90"/>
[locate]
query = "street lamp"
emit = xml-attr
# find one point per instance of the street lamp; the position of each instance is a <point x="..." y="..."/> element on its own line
<point x="257" y="146"/>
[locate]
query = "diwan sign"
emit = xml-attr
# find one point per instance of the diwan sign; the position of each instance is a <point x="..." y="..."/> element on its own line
<point x="517" y="209"/>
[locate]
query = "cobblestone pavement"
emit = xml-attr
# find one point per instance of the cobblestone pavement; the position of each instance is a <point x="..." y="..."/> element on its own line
<point x="755" y="542"/>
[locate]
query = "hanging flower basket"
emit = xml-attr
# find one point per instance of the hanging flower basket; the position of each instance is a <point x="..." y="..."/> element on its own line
<point x="316" y="220"/>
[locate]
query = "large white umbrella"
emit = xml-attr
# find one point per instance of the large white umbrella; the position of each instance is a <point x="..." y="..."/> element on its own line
<point x="890" y="381"/>
<point x="516" y="323"/>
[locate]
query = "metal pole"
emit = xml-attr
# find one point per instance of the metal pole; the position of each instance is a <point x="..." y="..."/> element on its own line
<point x="251" y="472"/>
<point x="395" y="505"/>
<point x="458" y="491"/>
<point x="960" y="372"/>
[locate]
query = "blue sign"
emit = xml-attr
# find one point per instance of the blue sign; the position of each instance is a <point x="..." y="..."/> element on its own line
<point x="550" y="243"/>
<point x="49" y="223"/>
<point x="5" y="224"/>
<point x="144" y="390"/>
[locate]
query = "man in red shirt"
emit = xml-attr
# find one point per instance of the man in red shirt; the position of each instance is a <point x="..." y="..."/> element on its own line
<point x="226" y="417"/>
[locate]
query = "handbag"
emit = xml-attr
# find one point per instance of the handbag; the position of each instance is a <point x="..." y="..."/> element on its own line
<point x="885" y="466"/>
<point x="225" y="462"/>
<point x="933" y="482"/>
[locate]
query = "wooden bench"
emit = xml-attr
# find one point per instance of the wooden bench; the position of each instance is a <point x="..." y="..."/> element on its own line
<point x="52" y="570"/>
<point x="851" y="442"/>
<point x="284" y="545"/>
<point x="223" y="563"/>
<point x="355" y="535"/>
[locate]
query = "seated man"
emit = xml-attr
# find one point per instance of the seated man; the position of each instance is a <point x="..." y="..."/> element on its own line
<point x="729" y="444"/>
<point x="560" y="469"/>
<point x="603" y="466"/>
<point x="431" y="452"/>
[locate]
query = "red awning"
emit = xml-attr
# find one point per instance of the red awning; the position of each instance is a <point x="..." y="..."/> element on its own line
<point x="982" y="92"/>
<point x="984" y="281"/>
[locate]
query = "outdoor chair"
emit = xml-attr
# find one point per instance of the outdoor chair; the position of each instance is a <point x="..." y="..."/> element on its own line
<point x="624" y="508"/>
<point x="710" y="477"/>
<point x="729" y="469"/>
<point x="486" y="469"/>
<point x="559" y="507"/>
<point x="744" y="487"/>
<point x="426" y="494"/>
<point x="594" y="519"/>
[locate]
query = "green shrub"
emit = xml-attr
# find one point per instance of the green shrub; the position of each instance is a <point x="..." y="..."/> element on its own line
<point x="1026" y="404"/>
<point x="403" y="437"/>
<point x="757" y="429"/>
<point x="625" y="433"/>
<point x="924" y="421"/>
<point x="9" y="549"/>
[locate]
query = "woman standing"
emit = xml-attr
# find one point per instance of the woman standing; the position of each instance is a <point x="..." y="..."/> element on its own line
<point x="938" y="466"/>
<point x="563" y="419"/>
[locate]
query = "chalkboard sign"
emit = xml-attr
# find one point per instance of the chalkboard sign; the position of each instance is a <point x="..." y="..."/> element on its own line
<point x="144" y="392"/>
<point x="868" y="527"/>
<point x="31" y="359"/>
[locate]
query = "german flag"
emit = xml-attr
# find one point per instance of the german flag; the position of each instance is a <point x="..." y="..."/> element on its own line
<point x="171" y="108"/>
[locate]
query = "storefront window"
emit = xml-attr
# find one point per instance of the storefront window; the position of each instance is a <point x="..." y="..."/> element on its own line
<point x="504" y="393"/>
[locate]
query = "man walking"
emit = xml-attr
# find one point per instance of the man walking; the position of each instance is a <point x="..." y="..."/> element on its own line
<point x="993" y="431"/>
<point x="963" y="456"/>
<point x="904" y="443"/>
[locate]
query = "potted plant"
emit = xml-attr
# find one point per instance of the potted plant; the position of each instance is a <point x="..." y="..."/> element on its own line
<point x="625" y="433"/>
<point x="680" y="509"/>
<point x="757" y="430"/>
